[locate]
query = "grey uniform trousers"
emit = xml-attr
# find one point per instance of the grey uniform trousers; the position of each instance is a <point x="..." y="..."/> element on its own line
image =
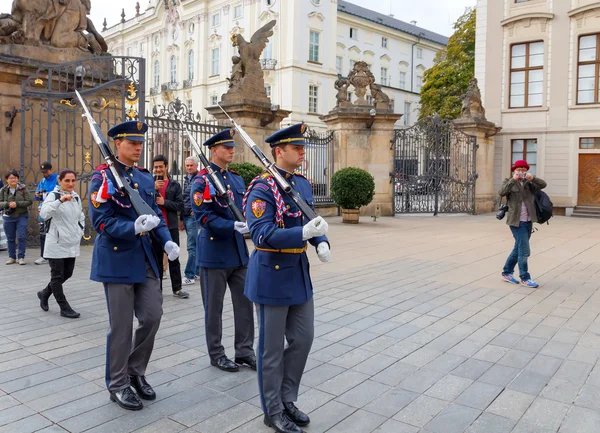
<point x="279" y="369"/>
<point x="123" y="300"/>
<point x="213" y="282"/>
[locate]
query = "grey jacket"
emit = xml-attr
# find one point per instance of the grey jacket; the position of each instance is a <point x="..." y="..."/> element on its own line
<point x="516" y="192"/>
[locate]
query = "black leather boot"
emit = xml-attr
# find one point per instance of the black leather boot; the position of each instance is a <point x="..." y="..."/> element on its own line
<point x="44" y="295"/>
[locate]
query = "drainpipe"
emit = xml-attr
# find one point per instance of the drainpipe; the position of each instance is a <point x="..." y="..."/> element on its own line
<point x="412" y="62"/>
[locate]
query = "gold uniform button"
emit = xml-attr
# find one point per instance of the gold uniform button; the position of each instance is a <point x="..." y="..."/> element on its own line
<point x="293" y="183"/>
<point x="224" y="177"/>
<point x="228" y="186"/>
<point x="212" y="239"/>
<point x="276" y="266"/>
<point x="115" y="248"/>
<point x="135" y="185"/>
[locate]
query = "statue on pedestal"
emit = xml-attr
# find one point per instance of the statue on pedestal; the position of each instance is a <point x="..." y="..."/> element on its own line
<point x="57" y="23"/>
<point x="247" y="81"/>
<point x="341" y="85"/>
<point x="361" y="78"/>
<point x="381" y="99"/>
<point x="472" y="107"/>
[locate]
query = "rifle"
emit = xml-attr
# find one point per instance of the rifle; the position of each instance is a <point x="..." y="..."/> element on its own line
<point x="123" y="182"/>
<point x="270" y="167"/>
<point x="221" y="191"/>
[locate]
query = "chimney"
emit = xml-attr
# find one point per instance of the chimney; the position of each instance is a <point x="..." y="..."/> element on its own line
<point x="414" y="23"/>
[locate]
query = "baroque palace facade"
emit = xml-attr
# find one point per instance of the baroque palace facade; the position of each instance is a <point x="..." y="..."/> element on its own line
<point x="189" y="52"/>
<point x="538" y="66"/>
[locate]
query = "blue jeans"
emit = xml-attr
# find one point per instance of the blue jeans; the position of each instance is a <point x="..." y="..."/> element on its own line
<point x="16" y="232"/>
<point x="191" y="229"/>
<point x="521" y="251"/>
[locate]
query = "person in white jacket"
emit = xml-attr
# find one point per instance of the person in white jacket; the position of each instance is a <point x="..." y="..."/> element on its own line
<point x="65" y="222"/>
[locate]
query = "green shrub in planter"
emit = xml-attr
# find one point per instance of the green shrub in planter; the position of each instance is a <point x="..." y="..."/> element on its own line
<point x="247" y="170"/>
<point x="352" y="188"/>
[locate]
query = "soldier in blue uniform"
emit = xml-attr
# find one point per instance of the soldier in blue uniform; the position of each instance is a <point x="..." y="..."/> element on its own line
<point x="222" y="256"/>
<point x="278" y="280"/>
<point x="124" y="261"/>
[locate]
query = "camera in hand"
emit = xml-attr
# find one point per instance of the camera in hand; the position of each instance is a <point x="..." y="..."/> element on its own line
<point x="502" y="211"/>
<point x="10" y="211"/>
<point x="159" y="177"/>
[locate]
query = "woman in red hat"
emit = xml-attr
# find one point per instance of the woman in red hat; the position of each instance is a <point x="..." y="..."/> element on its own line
<point x="519" y="217"/>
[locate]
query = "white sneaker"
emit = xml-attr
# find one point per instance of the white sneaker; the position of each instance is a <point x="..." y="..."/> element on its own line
<point x="41" y="261"/>
<point x="188" y="281"/>
<point x="11" y="261"/>
<point x="21" y="261"/>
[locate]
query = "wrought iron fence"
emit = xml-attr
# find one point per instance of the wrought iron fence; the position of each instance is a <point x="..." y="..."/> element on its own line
<point x="52" y="128"/>
<point x="167" y="137"/>
<point x="318" y="164"/>
<point x="434" y="168"/>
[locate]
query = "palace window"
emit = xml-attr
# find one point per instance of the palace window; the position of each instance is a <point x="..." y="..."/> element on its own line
<point x="384" y="42"/>
<point x="313" y="98"/>
<point x="402" y="82"/>
<point x="190" y="65"/>
<point x="527" y="75"/>
<point x="384" y="76"/>
<point x="215" y="62"/>
<point x="525" y="149"/>
<point x="338" y="65"/>
<point x="313" y="47"/>
<point x="237" y="11"/>
<point x="173" y="69"/>
<point x="589" y="143"/>
<point x="156" y="74"/>
<point x="588" y="69"/>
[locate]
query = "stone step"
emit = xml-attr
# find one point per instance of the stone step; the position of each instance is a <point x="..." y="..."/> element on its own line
<point x="587" y="211"/>
<point x="585" y="215"/>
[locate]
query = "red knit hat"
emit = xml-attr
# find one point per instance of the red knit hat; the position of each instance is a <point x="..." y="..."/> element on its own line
<point x="521" y="163"/>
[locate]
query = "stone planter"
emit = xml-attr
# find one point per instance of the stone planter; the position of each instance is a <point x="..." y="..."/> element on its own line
<point x="350" y="216"/>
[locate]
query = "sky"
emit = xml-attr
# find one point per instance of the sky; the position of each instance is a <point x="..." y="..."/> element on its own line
<point x="435" y="15"/>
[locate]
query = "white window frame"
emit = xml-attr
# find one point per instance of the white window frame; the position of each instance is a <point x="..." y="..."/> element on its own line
<point x="214" y="99"/>
<point x="384" y="42"/>
<point x="339" y="65"/>
<point x="190" y="65"/>
<point x="314" y="46"/>
<point x="268" y="90"/>
<point x="216" y="19"/>
<point x="419" y="53"/>
<point x="157" y="74"/>
<point x="384" y="76"/>
<point x="173" y="69"/>
<point x="215" y="56"/>
<point x="236" y="9"/>
<point x="406" y="116"/>
<point x="313" y="98"/>
<point x="402" y="80"/>
<point x="353" y="33"/>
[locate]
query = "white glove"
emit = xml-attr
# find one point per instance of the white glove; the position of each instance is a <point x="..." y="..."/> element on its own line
<point x="172" y="250"/>
<point x="323" y="252"/>
<point x="315" y="227"/>
<point x="240" y="227"/>
<point x="145" y="223"/>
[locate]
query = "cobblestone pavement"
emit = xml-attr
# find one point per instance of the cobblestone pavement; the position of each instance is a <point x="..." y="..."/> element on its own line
<point x="415" y="332"/>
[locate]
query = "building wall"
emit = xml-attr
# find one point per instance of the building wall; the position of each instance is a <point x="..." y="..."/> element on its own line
<point x="290" y="79"/>
<point x="560" y="122"/>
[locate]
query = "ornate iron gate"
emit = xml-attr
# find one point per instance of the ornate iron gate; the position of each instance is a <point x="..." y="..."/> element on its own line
<point x="52" y="128"/>
<point x="434" y="168"/>
<point x="318" y="164"/>
<point x="167" y="137"/>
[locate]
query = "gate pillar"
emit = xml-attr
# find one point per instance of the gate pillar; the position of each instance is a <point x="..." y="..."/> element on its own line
<point x="485" y="195"/>
<point x="365" y="141"/>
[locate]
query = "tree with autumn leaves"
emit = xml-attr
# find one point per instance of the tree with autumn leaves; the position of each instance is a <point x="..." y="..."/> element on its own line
<point x="448" y="79"/>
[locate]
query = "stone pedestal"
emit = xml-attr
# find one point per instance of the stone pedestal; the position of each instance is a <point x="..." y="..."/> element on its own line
<point x="485" y="195"/>
<point x="257" y="120"/>
<point x="364" y="141"/>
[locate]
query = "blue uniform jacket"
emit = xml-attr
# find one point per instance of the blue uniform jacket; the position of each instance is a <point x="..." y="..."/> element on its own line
<point x="275" y="278"/>
<point x="119" y="254"/>
<point x="219" y="245"/>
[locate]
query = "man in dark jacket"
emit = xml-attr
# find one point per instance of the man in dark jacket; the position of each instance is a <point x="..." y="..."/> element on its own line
<point x="170" y="201"/>
<point x="188" y="222"/>
<point x="519" y="191"/>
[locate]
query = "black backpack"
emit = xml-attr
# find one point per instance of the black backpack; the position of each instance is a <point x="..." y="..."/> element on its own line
<point x="543" y="205"/>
